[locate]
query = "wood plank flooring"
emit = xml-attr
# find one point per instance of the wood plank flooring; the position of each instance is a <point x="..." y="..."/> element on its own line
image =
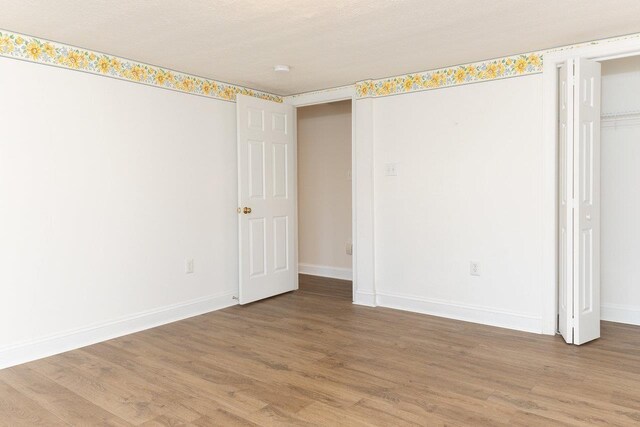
<point x="310" y="358"/>
<point x="334" y="288"/>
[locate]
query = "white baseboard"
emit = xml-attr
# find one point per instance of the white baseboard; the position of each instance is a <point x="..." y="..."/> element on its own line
<point x="365" y="298"/>
<point x="620" y="313"/>
<point x="468" y="313"/>
<point x="325" y="271"/>
<point x="70" y="340"/>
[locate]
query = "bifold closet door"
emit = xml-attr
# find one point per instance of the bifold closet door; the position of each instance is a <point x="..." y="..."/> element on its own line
<point x="565" y="202"/>
<point x="579" y="189"/>
<point x="587" y="102"/>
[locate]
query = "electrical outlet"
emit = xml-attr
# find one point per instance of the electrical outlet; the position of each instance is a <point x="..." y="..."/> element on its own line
<point x="349" y="248"/>
<point x="474" y="268"/>
<point x="188" y="266"/>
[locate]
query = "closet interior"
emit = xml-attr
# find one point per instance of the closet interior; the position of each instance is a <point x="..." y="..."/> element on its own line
<point x="620" y="191"/>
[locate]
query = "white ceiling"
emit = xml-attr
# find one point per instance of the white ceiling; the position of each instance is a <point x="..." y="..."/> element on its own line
<point x="327" y="43"/>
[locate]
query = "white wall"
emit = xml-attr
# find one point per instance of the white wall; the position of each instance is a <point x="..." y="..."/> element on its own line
<point x="620" y="187"/>
<point x="469" y="162"/>
<point x="106" y="187"/>
<point x="324" y="189"/>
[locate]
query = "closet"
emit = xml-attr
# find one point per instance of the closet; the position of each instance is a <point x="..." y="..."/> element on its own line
<point x="620" y="191"/>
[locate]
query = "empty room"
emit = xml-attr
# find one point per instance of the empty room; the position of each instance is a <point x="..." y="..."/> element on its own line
<point x="321" y="213"/>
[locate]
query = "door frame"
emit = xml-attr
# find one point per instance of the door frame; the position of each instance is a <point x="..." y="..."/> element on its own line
<point x="600" y="51"/>
<point x="342" y="93"/>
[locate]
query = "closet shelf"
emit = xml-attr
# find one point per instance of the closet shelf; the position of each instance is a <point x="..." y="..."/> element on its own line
<point x="620" y="114"/>
<point x="620" y="119"/>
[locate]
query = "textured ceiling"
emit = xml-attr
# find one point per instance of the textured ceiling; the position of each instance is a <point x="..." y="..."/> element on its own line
<point x="327" y="43"/>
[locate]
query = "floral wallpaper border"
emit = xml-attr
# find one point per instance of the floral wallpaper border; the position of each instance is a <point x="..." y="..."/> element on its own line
<point x="511" y="66"/>
<point x="38" y="50"/>
<point x="499" y="68"/>
<point x="20" y="46"/>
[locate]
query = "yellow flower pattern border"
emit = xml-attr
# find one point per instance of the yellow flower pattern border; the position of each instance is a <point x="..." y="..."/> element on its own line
<point x="511" y="66"/>
<point x="493" y="69"/>
<point x="38" y="50"/>
<point x="19" y="46"/>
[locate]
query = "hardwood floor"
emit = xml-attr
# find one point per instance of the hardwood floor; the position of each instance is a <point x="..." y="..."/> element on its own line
<point x="309" y="358"/>
<point x="335" y="288"/>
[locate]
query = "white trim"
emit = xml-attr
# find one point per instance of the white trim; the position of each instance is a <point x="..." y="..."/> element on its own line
<point x="354" y="191"/>
<point x="81" y="337"/>
<point x="365" y="298"/>
<point x="325" y="271"/>
<point x="324" y="96"/>
<point x="620" y="313"/>
<point x="607" y="49"/>
<point x="549" y="206"/>
<point x="295" y="189"/>
<point x="468" y="313"/>
<point x="363" y="203"/>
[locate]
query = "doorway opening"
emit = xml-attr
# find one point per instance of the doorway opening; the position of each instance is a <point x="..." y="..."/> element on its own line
<point x="598" y="191"/>
<point x="324" y="162"/>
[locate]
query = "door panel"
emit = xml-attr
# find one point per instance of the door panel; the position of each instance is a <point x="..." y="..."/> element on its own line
<point x="586" y="271"/>
<point x="280" y="170"/>
<point x="257" y="247"/>
<point x="255" y="118"/>
<point x="279" y="123"/>
<point x="587" y="211"/>
<point x="256" y="170"/>
<point x="267" y="189"/>
<point x="280" y="239"/>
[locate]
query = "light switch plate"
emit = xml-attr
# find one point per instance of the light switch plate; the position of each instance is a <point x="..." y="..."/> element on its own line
<point x="188" y="266"/>
<point x="474" y="268"/>
<point x="391" y="169"/>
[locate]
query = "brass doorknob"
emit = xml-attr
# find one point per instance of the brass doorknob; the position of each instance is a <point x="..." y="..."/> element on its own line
<point x="246" y="210"/>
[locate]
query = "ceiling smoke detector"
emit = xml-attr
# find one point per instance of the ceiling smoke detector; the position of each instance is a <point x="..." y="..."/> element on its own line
<point x="281" y="68"/>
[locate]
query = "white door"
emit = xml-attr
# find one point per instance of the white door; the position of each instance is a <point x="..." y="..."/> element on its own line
<point x="565" y="198"/>
<point x="267" y="198"/>
<point x="586" y="158"/>
<point x="579" y="201"/>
